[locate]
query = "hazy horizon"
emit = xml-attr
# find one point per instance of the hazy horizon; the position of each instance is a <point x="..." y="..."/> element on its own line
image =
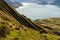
<point x="35" y="11"/>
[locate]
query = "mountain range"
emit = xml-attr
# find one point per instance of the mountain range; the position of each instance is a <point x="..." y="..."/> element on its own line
<point x="14" y="3"/>
<point x="17" y="3"/>
<point x="57" y="3"/>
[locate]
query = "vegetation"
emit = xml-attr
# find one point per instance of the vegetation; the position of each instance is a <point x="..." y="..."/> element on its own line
<point x="53" y="23"/>
<point x="11" y="29"/>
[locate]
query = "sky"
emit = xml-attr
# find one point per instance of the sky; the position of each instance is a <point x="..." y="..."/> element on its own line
<point x="34" y="10"/>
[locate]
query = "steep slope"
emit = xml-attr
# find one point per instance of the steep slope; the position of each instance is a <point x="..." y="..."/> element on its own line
<point x="14" y="26"/>
<point x="12" y="12"/>
<point x="10" y="29"/>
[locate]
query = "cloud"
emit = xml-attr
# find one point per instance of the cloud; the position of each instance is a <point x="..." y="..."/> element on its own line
<point x="35" y="11"/>
<point x="12" y="0"/>
<point x="24" y="5"/>
<point x="50" y="1"/>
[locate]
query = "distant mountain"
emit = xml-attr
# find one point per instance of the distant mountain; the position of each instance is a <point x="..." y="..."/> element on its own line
<point x="56" y="2"/>
<point x="15" y="3"/>
<point x="43" y="2"/>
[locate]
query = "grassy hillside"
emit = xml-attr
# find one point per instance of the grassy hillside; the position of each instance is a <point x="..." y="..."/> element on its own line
<point x="53" y="23"/>
<point x="10" y="29"/>
<point x="14" y="26"/>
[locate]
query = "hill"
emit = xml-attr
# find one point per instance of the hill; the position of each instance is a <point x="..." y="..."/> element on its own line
<point x="12" y="30"/>
<point x="14" y="26"/>
<point x="49" y="20"/>
<point x="53" y="23"/>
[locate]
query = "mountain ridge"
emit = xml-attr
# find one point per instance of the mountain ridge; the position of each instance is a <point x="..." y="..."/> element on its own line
<point x="14" y="4"/>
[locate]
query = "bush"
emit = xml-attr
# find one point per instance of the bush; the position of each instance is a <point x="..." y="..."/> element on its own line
<point x="4" y="30"/>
